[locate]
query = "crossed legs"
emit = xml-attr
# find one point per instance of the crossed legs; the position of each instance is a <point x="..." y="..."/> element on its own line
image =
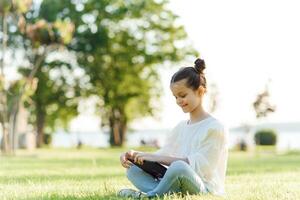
<point x="180" y="177"/>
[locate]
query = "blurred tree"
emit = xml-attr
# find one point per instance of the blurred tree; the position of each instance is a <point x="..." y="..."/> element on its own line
<point x="53" y="104"/>
<point x="38" y="38"/>
<point x="120" y="44"/>
<point x="262" y="106"/>
<point x="8" y="11"/>
<point x="124" y="42"/>
<point x="13" y="104"/>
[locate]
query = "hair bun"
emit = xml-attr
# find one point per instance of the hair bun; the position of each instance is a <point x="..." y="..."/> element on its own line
<point x="199" y="65"/>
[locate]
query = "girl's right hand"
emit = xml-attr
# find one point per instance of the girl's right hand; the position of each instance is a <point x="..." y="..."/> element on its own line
<point x="124" y="158"/>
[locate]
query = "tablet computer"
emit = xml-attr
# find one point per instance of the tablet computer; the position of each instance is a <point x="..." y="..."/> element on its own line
<point x="155" y="169"/>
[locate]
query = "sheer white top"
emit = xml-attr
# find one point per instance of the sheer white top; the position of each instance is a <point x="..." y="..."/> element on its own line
<point x="204" y="144"/>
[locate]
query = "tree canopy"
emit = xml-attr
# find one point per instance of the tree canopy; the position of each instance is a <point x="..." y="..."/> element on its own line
<point x="120" y="45"/>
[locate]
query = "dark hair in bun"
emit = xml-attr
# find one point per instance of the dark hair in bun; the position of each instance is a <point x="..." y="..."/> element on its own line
<point x="194" y="75"/>
<point x="199" y="65"/>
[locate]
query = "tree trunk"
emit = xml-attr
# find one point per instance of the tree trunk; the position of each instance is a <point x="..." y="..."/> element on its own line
<point x="118" y="128"/>
<point x="40" y="124"/>
<point x="5" y="143"/>
<point x="13" y="128"/>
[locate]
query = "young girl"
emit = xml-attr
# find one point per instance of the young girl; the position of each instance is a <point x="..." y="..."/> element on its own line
<point x="196" y="150"/>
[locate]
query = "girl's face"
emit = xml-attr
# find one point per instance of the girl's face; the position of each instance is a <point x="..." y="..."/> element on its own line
<point x="187" y="98"/>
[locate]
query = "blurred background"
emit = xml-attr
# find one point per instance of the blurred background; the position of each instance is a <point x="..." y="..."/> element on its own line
<point x="96" y="73"/>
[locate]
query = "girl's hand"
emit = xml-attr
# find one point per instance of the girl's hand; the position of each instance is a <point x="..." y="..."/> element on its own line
<point x="140" y="157"/>
<point x="131" y="154"/>
<point x="125" y="156"/>
<point x="124" y="162"/>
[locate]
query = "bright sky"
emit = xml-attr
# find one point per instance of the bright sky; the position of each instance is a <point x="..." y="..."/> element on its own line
<point x="244" y="43"/>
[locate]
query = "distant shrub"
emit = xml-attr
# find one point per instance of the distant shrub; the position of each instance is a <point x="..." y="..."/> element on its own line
<point x="47" y="139"/>
<point x="265" y="137"/>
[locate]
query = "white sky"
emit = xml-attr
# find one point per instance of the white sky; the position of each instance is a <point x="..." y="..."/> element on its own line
<point x="244" y="43"/>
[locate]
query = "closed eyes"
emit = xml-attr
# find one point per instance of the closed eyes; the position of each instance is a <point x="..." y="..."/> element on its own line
<point x="181" y="96"/>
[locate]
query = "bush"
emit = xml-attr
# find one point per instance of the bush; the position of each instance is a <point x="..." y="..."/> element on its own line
<point x="47" y="139"/>
<point x="265" y="137"/>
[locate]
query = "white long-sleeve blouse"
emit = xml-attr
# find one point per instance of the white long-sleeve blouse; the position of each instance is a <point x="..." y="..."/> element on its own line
<point x="204" y="144"/>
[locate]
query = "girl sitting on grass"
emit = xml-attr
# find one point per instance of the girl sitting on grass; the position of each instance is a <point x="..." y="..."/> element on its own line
<point x="195" y="152"/>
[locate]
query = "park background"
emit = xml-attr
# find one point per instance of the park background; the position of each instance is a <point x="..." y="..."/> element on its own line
<point x="80" y="76"/>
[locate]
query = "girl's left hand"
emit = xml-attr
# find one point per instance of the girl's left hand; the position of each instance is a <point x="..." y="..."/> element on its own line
<point x="140" y="157"/>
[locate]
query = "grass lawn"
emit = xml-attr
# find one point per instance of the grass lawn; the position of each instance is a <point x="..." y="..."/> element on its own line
<point x="96" y="174"/>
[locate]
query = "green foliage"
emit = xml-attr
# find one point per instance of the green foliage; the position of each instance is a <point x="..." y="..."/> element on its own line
<point x="20" y="6"/>
<point x="265" y="137"/>
<point x="53" y="103"/>
<point x="5" y="6"/>
<point x="55" y="97"/>
<point x="120" y="45"/>
<point x="19" y="91"/>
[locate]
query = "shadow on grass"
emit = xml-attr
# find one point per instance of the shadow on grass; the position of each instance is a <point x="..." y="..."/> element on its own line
<point x="71" y="197"/>
<point x="54" y="178"/>
<point x="113" y="196"/>
<point x="110" y="196"/>
<point x="32" y="161"/>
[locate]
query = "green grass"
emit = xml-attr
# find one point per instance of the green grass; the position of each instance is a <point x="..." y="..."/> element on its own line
<point x="97" y="174"/>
